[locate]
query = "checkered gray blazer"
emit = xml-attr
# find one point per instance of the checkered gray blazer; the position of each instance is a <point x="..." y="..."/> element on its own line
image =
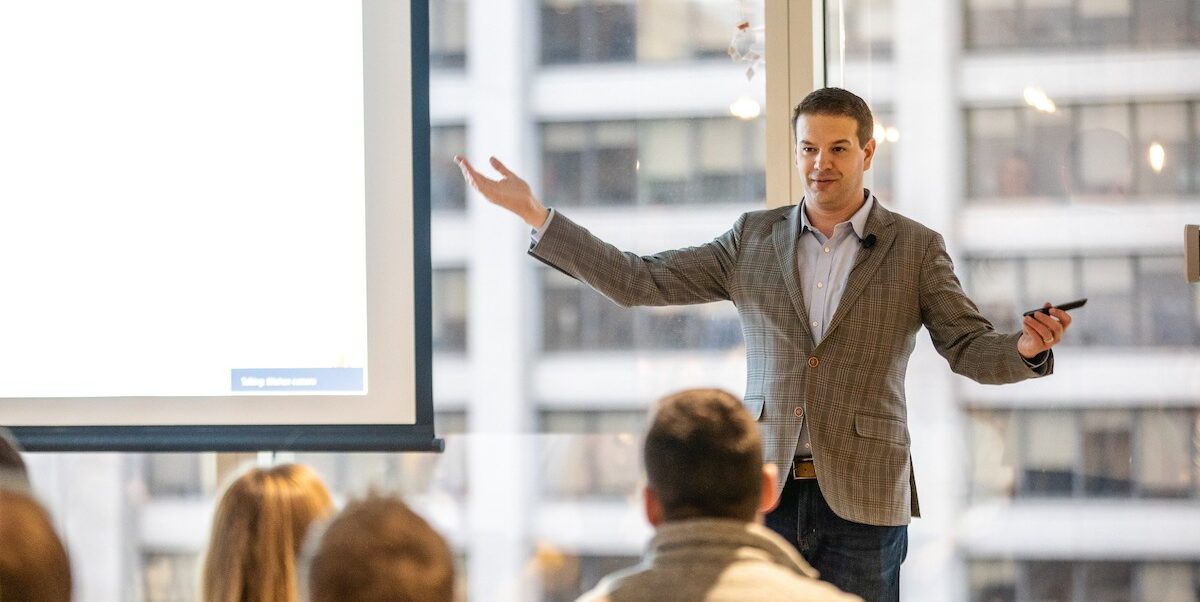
<point x="851" y="385"/>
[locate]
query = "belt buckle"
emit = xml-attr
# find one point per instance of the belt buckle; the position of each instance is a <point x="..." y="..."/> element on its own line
<point x="803" y="469"/>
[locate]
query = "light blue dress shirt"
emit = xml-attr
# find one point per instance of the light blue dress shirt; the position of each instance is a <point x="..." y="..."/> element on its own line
<point x="824" y="266"/>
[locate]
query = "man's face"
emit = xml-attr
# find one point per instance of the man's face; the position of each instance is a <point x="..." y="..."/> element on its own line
<point x="831" y="161"/>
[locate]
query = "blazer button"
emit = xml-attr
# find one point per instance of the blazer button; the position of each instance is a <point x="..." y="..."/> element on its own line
<point x="813" y="362"/>
<point x="799" y="412"/>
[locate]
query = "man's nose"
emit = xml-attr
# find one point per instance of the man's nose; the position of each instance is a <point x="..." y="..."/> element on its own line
<point x="824" y="160"/>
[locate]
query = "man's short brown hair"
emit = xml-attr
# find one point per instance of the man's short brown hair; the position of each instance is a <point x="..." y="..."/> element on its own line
<point x="33" y="561"/>
<point x="836" y="101"/>
<point x="379" y="550"/>
<point x="703" y="456"/>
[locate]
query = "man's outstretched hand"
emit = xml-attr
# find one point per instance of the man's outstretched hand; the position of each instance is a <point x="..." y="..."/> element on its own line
<point x="1041" y="331"/>
<point x="509" y="192"/>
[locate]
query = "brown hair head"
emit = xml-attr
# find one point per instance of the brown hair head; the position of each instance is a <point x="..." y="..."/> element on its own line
<point x="836" y="101"/>
<point x="378" y="550"/>
<point x="703" y="456"/>
<point x="33" y="561"/>
<point x="257" y="533"/>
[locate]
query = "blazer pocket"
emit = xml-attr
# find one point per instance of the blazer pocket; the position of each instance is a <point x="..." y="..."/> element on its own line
<point x="754" y="405"/>
<point x="883" y="429"/>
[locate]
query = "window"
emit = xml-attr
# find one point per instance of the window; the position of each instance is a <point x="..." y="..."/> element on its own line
<point x="447" y="34"/>
<point x="576" y="318"/>
<point x="356" y="474"/>
<point x="587" y="31"/>
<point x="1113" y="151"/>
<point x="448" y="190"/>
<point x="449" y="304"/>
<point x="1066" y="24"/>
<point x="1110" y="453"/>
<point x="1143" y="299"/>
<point x="1095" y="581"/>
<point x="592" y="453"/>
<point x="662" y="162"/>
<point x="1051" y="453"/>
<point x="643" y="31"/>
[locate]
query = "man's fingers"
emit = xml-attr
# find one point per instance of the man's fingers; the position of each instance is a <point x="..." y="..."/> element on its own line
<point x="475" y="178"/>
<point x="1037" y="329"/>
<point x="1051" y="322"/>
<point x="1063" y="317"/>
<point x="498" y="166"/>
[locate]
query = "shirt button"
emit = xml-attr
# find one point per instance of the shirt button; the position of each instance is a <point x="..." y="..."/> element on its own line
<point x="808" y="446"/>
<point x="826" y="249"/>
<point x="814" y="323"/>
<point x="813" y="362"/>
<point x="799" y="412"/>
<point x="819" y="285"/>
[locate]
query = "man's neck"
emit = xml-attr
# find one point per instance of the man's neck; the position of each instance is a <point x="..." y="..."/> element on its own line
<point x="825" y="221"/>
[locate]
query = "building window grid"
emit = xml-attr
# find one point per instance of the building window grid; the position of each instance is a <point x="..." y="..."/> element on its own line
<point x="1022" y="486"/>
<point x="1026" y="133"/>
<point x="597" y="20"/>
<point x="1142" y="334"/>
<point x="1025" y="37"/>
<point x="1081" y="576"/>
<point x="694" y="188"/>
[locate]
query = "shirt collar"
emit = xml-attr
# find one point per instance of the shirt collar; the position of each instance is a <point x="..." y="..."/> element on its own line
<point x="858" y="221"/>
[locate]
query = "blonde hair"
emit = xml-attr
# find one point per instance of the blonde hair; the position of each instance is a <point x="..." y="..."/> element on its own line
<point x="257" y="533"/>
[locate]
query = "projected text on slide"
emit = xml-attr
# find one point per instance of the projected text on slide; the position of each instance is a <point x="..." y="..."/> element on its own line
<point x="182" y="198"/>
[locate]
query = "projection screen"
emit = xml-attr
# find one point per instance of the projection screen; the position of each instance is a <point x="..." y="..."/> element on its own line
<point x="214" y="225"/>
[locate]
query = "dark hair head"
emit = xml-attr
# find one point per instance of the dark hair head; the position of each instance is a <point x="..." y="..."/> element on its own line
<point x="836" y="101"/>
<point x="703" y="456"/>
<point x="33" y="561"/>
<point x="379" y="550"/>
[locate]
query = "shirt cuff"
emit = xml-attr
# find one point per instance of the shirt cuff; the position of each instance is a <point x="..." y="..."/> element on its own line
<point x="1038" y="360"/>
<point x="536" y="234"/>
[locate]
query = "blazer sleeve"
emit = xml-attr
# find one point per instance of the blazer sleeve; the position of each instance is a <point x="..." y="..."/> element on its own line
<point x="680" y="277"/>
<point x="960" y="333"/>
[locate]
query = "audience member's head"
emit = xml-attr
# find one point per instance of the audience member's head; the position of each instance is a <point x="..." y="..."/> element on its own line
<point x="33" y="561"/>
<point x="13" y="474"/>
<point x="703" y="457"/>
<point x="379" y="550"/>
<point x="257" y="534"/>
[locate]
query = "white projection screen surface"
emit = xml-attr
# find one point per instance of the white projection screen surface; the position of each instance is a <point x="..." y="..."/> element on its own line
<point x="214" y="227"/>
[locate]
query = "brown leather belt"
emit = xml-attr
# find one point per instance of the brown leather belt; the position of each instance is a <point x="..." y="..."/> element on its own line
<point x="803" y="469"/>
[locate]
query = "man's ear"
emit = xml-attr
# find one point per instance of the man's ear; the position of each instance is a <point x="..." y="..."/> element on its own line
<point x="768" y="500"/>
<point x="869" y="149"/>
<point x="654" y="514"/>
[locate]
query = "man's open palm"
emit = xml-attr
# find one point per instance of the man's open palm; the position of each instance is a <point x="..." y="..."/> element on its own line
<point x="509" y="192"/>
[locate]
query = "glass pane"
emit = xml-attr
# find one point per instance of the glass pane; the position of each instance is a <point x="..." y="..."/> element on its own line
<point x="448" y="190"/>
<point x="992" y="581"/>
<point x="1167" y="306"/>
<point x="995" y="285"/>
<point x="1165" y="453"/>
<point x="1104" y="153"/>
<point x="1107" y="453"/>
<point x="1109" y="282"/>
<point x="1108" y="581"/>
<point x="1051" y="453"/>
<point x="994" y="450"/>
<point x="1162" y="149"/>
<point x="1168" y="583"/>
<point x="1050" y="581"/>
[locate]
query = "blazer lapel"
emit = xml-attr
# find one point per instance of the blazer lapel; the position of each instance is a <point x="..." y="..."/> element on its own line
<point x="866" y="263"/>
<point x="786" y="235"/>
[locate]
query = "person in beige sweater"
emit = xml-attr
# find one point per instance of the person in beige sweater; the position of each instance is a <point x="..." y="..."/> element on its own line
<point x="707" y="487"/>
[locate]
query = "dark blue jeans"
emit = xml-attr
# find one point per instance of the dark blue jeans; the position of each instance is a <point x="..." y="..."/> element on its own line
<point x="860" y="559"/>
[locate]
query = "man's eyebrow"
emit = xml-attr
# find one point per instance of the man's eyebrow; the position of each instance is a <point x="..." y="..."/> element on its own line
<point x="842" y="141"/>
